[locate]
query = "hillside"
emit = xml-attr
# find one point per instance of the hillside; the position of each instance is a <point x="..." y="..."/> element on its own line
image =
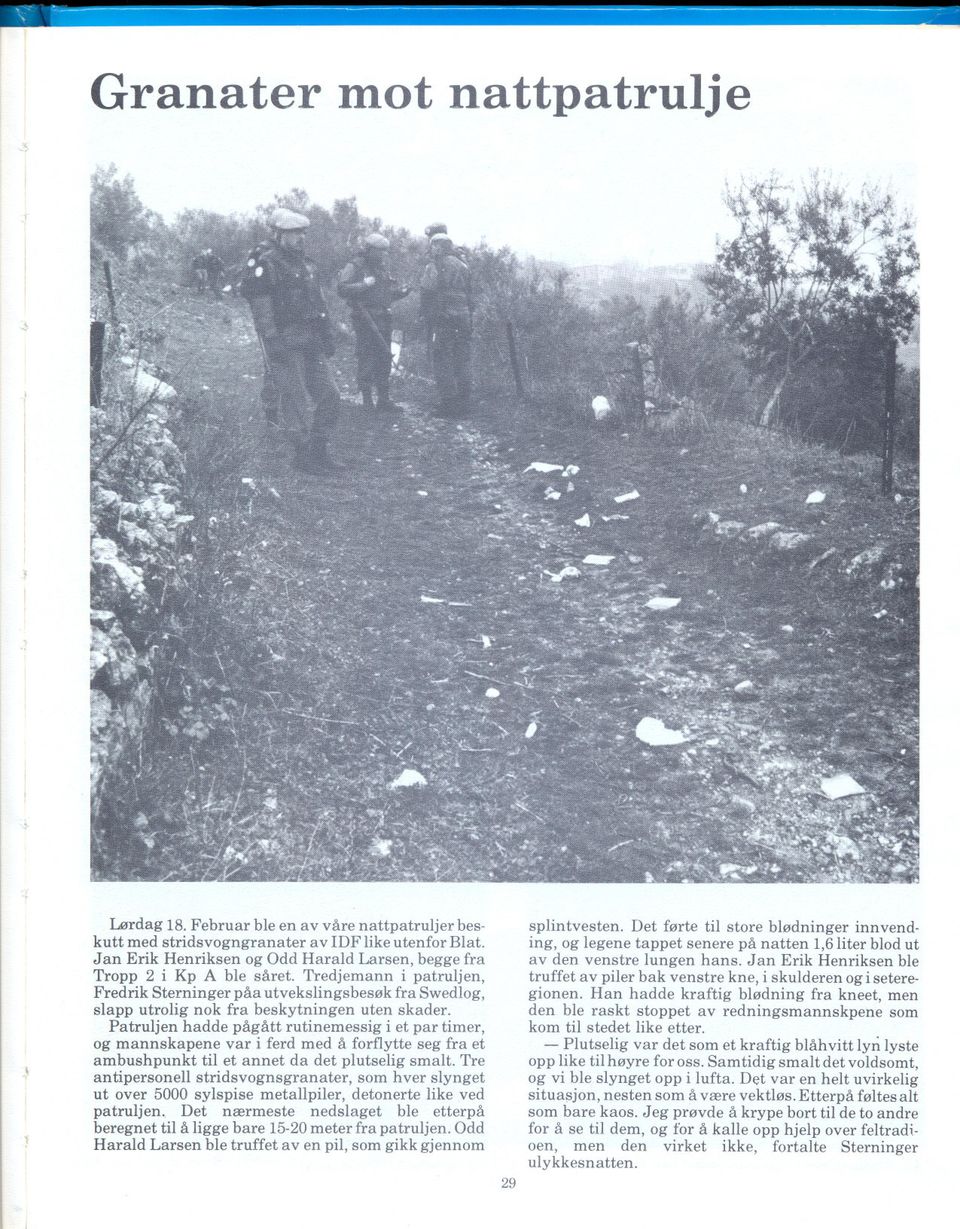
<point x="406" y="617"/>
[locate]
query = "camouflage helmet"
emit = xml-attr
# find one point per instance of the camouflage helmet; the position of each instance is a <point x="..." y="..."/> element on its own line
<point x="441" y="243"/>
<point x="435" y="228"/>
<point x="286" y="219"/>
<point x="376" y="243"/>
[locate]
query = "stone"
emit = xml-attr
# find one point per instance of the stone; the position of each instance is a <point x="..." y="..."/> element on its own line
<point x="867" y="562"/>
<point x="728" y="529"/>
<point x="790" y="542"/>
<point x="759" y="533"/>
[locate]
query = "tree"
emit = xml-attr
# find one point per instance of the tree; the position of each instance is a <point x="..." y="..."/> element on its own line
<point x="119" y="222"/>
<point x="813" y="285"/>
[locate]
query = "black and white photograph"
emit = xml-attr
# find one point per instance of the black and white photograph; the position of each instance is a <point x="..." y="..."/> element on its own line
<point x="503" y="478"/>
<point x="467" y="696"/>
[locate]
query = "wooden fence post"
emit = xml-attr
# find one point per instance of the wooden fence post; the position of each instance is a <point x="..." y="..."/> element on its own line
<point x="889" y="416"/>
<point x="638" y="372"/>
<point x="514" y="361"/>
<point x="97" y="330"/>
<point x="107" y="273"/>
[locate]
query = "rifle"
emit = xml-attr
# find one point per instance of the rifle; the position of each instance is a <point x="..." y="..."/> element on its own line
<point x="364" y="315"/>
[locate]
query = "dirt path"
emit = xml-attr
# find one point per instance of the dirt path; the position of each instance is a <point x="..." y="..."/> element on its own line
<point x="403" y="616"/>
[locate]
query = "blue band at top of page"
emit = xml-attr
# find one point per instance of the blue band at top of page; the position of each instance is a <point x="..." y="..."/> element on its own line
<point x="470" y="15"/>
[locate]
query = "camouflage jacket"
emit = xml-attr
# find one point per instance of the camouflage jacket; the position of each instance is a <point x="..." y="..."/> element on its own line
<point x="377" y="299"/>
<point x="445" y="292"/>
<point x="285" y="295"/>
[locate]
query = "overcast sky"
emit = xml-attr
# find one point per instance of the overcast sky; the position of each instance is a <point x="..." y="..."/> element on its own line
<point x="594" y="187"/>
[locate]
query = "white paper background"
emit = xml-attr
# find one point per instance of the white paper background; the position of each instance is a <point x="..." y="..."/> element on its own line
<point x="840" y="98"/>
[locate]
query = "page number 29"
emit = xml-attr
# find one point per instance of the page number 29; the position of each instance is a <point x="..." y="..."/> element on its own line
<point x="507" y="1184"/>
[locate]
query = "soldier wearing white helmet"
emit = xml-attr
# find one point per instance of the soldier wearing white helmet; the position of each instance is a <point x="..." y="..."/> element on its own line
<point x="440" y="228"/>
<point x="291" y="319"/>
<point x="369" y="289"/>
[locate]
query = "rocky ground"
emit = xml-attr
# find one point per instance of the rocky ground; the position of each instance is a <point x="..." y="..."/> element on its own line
<point x="412" y="619"/>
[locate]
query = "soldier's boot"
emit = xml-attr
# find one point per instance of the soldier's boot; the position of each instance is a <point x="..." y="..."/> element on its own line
<point x="451" y="407"/>
<point x="315" y="459"/>
<point x="366" y="392"/>
<point x="383" y="400"/>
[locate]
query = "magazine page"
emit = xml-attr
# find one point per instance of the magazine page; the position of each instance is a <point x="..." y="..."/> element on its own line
<point x="462" y="636"/>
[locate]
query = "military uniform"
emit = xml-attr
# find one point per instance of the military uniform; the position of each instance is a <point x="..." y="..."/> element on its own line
<point x="446" y="306"/>
<point x="215" y="268"/>
<point x="199" y="267"/>
<point x="370" y="310"/>
<point x="290" y="315"/>
<point x="270" y="389"/>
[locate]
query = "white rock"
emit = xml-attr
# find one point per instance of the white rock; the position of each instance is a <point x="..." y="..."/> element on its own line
<point x="816" y="497"/>
<point x="566" y="573"/>
<point x="530" y="730"/>
<point x="408" y="778"/>
<point x="627" y="498"/>
<point x="845" y="848"/>
<point x="757" y="533"/>
<point x="543" y="467"/>
<point x="729" y="868"/>
<point x="867" y="560"/>
<point x="662" y="603"/>
<point x="840" y="786"/>
<point x="601" y="408"/>
<point x="583" y="521"/>
<point x="492" y="693"/>
<point x="598" y="561"/>
<point x="149" y="388"/>
<point x="654" y="733"/>
<point x="786" y="542"/>
<point x="728" y="529"/>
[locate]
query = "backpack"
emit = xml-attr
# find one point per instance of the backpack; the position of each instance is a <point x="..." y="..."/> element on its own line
<point x="452" y="291"/>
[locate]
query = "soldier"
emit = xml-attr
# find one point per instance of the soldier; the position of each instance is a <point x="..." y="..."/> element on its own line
<point x="199" y="267"/>
<point x="270" y="389"/>
<point x="447" y="309"/>
<point x="215" y="268"/>
<point x="440" y="228"/>
<point x="290" y="315"/>
<point x="370" y="291"/>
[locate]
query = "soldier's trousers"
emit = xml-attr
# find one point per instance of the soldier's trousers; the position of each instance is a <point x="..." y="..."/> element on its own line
<point x="451" y="364"/>
<point x="373" y="358"/>
<point x="309" y="396"/>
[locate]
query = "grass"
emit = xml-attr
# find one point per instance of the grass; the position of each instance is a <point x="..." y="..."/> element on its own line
<point x="307" y="672"/>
